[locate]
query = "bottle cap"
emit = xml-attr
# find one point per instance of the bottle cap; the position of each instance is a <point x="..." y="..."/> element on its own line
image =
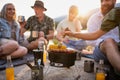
<point x="101" y="61"/>
<point x="8" y="57"/>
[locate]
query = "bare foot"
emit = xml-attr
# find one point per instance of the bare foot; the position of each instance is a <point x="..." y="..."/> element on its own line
<point x="87" y="52"/>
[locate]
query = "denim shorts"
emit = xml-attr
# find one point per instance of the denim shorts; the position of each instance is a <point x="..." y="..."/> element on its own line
<point x="98" y="54"/>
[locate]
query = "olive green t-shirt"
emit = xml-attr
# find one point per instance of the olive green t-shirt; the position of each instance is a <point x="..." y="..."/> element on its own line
<point x="111" y="20"/>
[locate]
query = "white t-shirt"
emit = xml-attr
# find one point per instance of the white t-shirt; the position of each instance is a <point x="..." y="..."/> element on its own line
<point x="94" y="24"/>
<point x="67" y="24"/>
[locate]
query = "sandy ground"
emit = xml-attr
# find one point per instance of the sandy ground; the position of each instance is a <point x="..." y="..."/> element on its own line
<point x="75" y="72"/>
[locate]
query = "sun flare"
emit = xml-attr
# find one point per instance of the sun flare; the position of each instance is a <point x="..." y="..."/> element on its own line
<point x="55" y="8"/>
<point x="87" y="5"/>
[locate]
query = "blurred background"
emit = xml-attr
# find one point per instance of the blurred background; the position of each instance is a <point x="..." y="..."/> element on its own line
<point x="56" y="9"/>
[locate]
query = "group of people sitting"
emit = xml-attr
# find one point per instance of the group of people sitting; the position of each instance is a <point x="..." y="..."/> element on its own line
<point x="103" y="31"/>
<point x="12" y="39"/>
<point x="103" y="34"/>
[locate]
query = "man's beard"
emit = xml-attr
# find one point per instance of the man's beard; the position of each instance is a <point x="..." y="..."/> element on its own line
<point x="106" y="9"/>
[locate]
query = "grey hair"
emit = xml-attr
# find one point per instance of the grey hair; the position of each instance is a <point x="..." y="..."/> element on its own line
<point x="4" y="9"/>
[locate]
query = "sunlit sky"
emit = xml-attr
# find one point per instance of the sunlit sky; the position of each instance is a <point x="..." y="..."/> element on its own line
<point x="55" y="8"/>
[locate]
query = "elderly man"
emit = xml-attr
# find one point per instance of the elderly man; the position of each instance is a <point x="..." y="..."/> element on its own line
<point x="40" y="25"/>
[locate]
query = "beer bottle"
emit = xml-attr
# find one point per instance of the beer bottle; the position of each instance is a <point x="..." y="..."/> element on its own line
<point x="9" y="69"/>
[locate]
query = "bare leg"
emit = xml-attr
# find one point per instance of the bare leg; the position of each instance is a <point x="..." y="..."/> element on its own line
<point x="20" y="52"/>
<point x="33" y="45"/>
<point x="110" y="49"/>
<point x="8" y="47"/>
<point x="1" y="49"/>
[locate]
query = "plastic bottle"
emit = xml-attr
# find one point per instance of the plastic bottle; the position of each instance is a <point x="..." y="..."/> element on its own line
<point x="100" y="74"/>
<point x="9" y="69"/>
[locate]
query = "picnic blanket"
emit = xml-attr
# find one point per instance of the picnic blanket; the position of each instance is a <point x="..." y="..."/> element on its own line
<point x="87" y="55"/>
<point x="18" y="61"/>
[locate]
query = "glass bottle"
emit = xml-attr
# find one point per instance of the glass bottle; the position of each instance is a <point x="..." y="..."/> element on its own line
<point x="100" y="74"/>
<point x="41" y="50"/>
<point x="44" y="55"/>
<point x="9" y="69"/>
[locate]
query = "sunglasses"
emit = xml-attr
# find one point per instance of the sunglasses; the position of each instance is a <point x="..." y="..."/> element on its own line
<point x="11" y="9"/>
